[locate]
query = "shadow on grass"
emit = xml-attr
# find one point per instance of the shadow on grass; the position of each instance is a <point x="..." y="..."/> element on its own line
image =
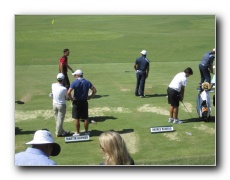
<point x="99" y="96"/>
<point x="212" y="120"/>
<point x="98" y="133"/>
<point x="19" y="131"/>
<point x="77" y="141"/>
<point x="101" y="118"/>
<point x="19" y="102"/>
<point x="155" y="95"/>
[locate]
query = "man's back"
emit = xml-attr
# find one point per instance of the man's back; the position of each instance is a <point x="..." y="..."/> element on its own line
<point x="81" y="87"/>
<point x="33" y="157"/>
<point x="59" y="93"/>
<point x="142" y="63"/>
<point x="207" y="59"/>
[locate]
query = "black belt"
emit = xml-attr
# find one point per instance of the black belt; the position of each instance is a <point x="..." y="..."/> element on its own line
<point x="173" y="89"/>
<point x="79" y="100"/>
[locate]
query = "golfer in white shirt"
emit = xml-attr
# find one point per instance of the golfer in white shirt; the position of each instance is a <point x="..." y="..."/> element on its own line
<point x="59" y="93"/>
<point x="175" y="93"/>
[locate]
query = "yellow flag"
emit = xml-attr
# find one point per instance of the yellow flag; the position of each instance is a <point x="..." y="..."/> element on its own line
<point x="53" y="21"/>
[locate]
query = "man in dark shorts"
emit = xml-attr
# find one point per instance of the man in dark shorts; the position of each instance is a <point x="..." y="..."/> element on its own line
<point x="141" y="67"/>
<point x="80" y="99"/>
<point x="175" y="93"/>
<point x="64" y="66"/>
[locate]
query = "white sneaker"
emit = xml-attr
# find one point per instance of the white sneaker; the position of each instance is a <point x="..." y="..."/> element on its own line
<point x="177" y="121"/>
<point x="170" y="120"/>
<point x="76" y="134"/>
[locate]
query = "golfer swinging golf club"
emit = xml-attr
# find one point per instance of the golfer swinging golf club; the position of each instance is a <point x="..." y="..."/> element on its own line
<point x="175" y="93"/>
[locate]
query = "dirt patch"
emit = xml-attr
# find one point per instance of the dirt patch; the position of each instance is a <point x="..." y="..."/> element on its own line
<point x="31" y="115"/>
<point x="101" y="110"/>
<point x="26" y="98"/>
<point x="149" y="108"/>
<point x="206" y="129"/>
<point x="187" y="105"/>
<point x="124" y="90"/>
<point x="132" y="141"/>
<point x="39" y="92"/>
<point x="46" y="114"/>
<point x="172" y="136"/>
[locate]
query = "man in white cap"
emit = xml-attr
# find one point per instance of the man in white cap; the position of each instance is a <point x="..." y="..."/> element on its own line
<point x="43" y="146"/>
<point x="206" y="66"/>
<point x="80" y="99"/>
<point x="141" y="67"/>
<point x="59" y="105"/>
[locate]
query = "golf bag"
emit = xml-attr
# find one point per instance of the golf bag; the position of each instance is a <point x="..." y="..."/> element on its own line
<point x="203" y="105"/>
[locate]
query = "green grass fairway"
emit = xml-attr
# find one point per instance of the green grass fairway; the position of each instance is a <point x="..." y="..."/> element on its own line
<point x="105" y="48"/>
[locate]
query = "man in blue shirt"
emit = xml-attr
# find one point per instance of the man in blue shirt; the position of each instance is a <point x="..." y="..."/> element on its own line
<point x="141" y="67"/>
<point x="206" y="66"/>
<point x="43" y="146"/>
<point x="80" y="99"/>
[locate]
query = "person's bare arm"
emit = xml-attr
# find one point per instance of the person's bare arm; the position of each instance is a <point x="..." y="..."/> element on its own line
<point x="94" y="91"/>
<point x="70" y="68"/>
<point x="182" y="93"/>
<point x="69" y="94"/>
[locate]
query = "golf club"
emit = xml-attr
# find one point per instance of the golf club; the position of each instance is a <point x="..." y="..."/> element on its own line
<point x="187" y="109"/>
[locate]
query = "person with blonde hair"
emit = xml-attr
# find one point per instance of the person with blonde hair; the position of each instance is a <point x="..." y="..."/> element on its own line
<point x="114" y="149"/>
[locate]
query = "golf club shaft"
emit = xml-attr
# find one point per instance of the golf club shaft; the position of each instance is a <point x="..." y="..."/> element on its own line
<point x="186" y="109"/>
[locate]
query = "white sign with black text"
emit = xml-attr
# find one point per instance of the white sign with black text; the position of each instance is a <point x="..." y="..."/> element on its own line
<point x="77" y="138"/>
<point x="161" y="129"/>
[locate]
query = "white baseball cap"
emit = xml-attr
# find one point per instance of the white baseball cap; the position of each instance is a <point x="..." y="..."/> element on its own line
<point x="60" y="76"/>
<point x="45" y="137"/>
<point x="144" y="52"/>
<point x="214" y="49"/>
<point x="78" y="72"/>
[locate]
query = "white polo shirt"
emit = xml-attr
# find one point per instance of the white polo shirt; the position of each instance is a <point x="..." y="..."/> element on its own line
<point x="59" y="93"/>
<point x="179" y="80"/>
